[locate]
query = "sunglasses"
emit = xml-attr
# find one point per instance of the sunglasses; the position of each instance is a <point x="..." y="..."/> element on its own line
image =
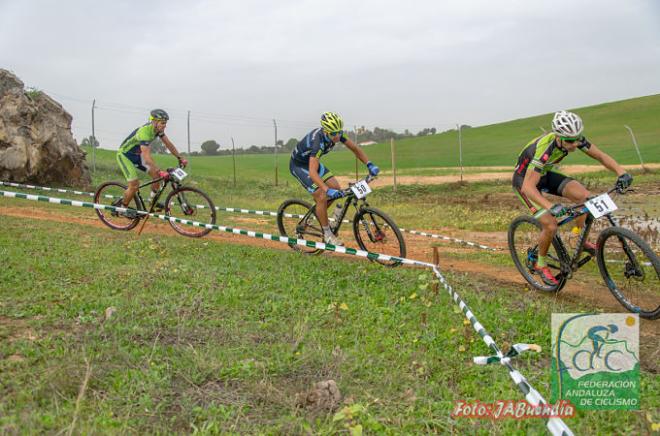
<point x="569" y="140"/>
<point x="333" y="134"/>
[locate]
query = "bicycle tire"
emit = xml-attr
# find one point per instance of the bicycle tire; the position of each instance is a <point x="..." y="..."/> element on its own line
<point x="292" y="227"/>
<point x="521" y="264"/>
<point x="617" y="286"/>
<point x="114" y="190"/>
<point x="191" y="211"/>
<point x="365" y="218"/>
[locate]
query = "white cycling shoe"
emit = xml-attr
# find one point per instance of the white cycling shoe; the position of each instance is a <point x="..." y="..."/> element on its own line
<point x="330" y="238"/>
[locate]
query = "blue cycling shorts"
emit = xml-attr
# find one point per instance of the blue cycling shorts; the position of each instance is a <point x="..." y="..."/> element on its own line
<point x="301" y="172"/>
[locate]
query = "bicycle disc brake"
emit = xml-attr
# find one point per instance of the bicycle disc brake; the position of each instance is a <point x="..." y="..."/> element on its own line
<point x="633" y="271"/>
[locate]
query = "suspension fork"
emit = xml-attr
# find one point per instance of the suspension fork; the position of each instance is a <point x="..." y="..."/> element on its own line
<point x="376" y="235"/>
<point x="181" y="199"/>
<point x="626" y="248"/>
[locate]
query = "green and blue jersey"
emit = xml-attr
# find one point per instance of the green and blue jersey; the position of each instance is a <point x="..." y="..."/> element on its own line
<point x="144" y="135"/>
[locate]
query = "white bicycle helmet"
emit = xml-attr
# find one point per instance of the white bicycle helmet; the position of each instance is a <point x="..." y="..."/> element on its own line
<point x="567" y="124"/>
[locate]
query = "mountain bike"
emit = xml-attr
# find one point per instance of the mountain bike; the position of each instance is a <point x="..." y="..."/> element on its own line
<point x="374" y="230"/>
<point x="184" y="201"/>
<point x="627" y="264"/>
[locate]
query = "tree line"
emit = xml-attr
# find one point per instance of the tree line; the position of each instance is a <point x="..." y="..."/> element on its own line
<point x="212" y="148"/>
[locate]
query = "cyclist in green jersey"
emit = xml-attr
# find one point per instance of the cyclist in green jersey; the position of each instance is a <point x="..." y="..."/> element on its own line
<point x="134" y="153"/>
<point x="542" y="154"/>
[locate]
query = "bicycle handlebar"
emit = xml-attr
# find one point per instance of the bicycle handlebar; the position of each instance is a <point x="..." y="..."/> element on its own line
<point x="367" y="179"/>
<point x="580" y="209"/>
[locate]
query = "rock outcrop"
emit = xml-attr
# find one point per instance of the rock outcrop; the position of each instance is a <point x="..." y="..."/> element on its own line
<point x="36" y="144"/>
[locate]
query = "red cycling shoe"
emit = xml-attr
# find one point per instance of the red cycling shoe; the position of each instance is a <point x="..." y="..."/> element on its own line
<point x="546" y="275"/>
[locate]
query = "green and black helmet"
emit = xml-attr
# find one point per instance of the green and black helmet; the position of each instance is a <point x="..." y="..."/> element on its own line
<point x="159" y="114"/>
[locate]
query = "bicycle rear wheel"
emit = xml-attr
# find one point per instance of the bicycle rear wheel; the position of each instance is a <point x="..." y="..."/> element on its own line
<point x="523" y="239"/>
<point x="109" y="194"/>
<point x="376" y="232"/>
<point x="291" y="224"/>
<point x="192" y="204"/>
<point x="631" y="270"/>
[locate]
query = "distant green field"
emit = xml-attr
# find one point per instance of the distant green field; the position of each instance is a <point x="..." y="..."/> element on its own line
<point x="497" y="144"/>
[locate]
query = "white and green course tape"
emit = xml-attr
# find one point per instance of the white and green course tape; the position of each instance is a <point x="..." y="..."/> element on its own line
<point x="556" y="426"/>
<point x="263" y="213"/>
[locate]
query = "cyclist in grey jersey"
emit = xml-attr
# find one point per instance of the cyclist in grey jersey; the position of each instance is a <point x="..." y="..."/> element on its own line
<point x="567" y="137"/>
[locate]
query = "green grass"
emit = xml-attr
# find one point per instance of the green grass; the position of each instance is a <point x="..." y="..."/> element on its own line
<point x="497" y="144"/>
<point x="220" y="338"/>
<point x="477" y="206"/>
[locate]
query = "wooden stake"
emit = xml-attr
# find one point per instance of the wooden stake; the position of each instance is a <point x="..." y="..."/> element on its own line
<point x="151" y="209"/>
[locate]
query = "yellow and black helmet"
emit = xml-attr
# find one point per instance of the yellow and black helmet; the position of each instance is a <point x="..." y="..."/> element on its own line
<point x="159" y="114"/>
<point x="332" y="122"/>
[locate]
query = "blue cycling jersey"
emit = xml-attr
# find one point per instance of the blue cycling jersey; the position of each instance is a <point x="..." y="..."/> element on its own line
<point x="316" y="143"/>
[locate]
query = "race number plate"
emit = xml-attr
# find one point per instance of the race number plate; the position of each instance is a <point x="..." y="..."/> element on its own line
<point x="179" y="174"/>
<point x="361" y="189"/>
<point x="601" y="205"/>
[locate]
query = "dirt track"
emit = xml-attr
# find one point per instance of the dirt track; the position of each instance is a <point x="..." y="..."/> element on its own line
<point x="419" y="248"/>
<point x="488" y="174"/>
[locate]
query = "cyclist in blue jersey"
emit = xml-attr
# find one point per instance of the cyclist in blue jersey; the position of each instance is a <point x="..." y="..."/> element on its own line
<point x="305" y="166"/>
<point x="541" y="154"/>
<point x="134" y="153"/>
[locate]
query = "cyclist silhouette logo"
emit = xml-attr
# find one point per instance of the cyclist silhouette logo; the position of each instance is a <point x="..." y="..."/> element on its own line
<point x="597" y="340"/>
<point x="595" y="362"/>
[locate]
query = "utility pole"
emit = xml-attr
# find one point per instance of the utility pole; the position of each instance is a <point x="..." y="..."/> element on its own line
<point x="233" y="155"/>
<point x="188" y="133"/>
<point x="275" y="126"/>
<point x="93" y="139"/>
<point x="460" y="150"/>
<point x="632" y="135"/>
<point x="356" y="144"/>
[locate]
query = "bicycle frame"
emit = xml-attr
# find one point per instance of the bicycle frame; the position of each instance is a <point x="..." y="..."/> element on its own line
<point x="350" y="199"/>
<point x="175" y="185"/>
<point x="574" y="261"/>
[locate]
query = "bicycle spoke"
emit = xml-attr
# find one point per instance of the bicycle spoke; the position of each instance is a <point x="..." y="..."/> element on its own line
<point x="184" y="204"/>
<point x="376" y="232"/>
<point x="523" y="244"/>
<point x="110" y="194"/>
<point x="291" y="224"/>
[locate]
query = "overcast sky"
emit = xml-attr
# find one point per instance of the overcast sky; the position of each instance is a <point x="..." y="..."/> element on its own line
<point x="236" y="65"/>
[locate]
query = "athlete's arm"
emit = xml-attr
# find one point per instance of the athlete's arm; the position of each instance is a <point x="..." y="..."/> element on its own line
<point x="314" y="173"/>
<point x="605" y="159"/>
<point x="357" y="151"/>
<point x="532" y="179"/>
<point x="170" y="146"/>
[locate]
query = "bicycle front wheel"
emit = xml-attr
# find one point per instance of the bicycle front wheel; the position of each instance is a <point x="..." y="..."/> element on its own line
<point x="292" y="223"/>
<point x="376" y="232"/>
<point x="110" y="194"/>
<point x="631" y="271"/>
<point x="192" y="204"/>
<point x="523" y="237"/>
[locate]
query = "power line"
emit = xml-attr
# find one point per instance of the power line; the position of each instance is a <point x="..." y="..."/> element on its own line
<point x="228" y="119"/>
